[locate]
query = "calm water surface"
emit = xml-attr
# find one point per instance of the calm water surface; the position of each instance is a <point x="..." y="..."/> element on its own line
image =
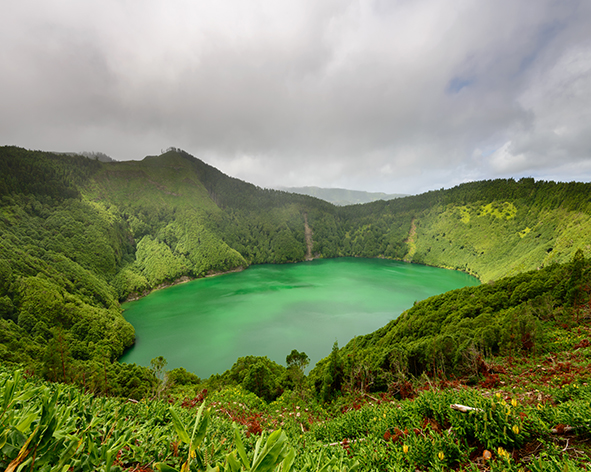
<point x="268" y="310"/>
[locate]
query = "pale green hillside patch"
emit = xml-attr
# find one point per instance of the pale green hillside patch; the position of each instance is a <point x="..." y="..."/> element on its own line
<point x="108" y="213"/>
<point x="412" y="242"/>
<point x="129" y="280"/>
<point x="157" y="262"/>
<point x="524" y="232"/>
<point x="504" y="211"/>
<point x="573" y="233"/>
<point x="464" y="214"/>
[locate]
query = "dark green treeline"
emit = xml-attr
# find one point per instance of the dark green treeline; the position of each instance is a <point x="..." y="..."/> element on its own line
<point x="78" y="236"/>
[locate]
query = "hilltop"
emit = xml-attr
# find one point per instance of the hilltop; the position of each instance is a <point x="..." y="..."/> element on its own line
<point x="78" y="236"/>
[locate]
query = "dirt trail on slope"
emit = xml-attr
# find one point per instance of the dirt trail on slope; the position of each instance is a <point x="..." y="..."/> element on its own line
<point x="309" y="241"/>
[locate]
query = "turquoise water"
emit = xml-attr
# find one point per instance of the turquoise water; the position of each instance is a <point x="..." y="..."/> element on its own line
<point x="268" y="310"/>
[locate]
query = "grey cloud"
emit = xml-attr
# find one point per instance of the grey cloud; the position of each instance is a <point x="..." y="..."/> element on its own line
<point x="384" y="96"/>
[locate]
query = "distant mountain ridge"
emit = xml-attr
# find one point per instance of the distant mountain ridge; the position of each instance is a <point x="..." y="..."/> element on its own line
<point x="341" y="196"/>
<point x="79" y="235"/>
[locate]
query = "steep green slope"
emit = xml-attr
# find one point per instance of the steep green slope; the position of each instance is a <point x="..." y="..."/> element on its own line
<point x="168" y="213"/>
<point x="188" y="219"/>
<point x="59" y="315"/>
<point x="450" y="334"/>
<point x="79" y="235"/>
<point x="494" y="238"/>
<point x="489" y="229"/>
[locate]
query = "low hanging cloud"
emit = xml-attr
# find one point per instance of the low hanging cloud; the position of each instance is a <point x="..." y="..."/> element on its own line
<point x="393" y="96"/>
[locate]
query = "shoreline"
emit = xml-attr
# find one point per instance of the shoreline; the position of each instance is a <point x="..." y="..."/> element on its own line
<point x="134" y="296"/>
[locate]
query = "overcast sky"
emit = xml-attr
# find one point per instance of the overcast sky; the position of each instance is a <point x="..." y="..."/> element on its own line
<point x="399" y="96"/>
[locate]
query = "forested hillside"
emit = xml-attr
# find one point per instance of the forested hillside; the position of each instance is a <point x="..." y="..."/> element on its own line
<point x="450" y="334"/>
<point x="489" y="229"/>
<point x="495" y="377"/>
<point x="78" y="236"/>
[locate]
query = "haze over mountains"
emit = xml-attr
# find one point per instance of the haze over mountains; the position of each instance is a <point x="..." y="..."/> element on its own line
<point x="341" y="196"/>
<point x="487" y="100"/>
<point x="336" y="196"/>
<point x="402" y="97"/>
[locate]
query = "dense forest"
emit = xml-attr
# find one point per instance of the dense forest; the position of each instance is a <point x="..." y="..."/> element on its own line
<point x="78" y="236"/>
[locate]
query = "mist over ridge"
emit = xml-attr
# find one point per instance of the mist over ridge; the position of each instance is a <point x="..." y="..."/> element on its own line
<point x="341" y="196"/>
<point x="424" y="136"/>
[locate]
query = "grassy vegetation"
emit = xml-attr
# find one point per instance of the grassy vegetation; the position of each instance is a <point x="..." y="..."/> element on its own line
<point x="78" y="236"/>
<point x="527" y="414"/>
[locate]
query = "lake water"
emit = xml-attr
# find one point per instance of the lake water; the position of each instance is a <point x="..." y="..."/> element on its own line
<point x="268" y="310"/>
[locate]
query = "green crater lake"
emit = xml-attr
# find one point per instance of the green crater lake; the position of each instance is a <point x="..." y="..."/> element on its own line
<point x="268" y="310"/>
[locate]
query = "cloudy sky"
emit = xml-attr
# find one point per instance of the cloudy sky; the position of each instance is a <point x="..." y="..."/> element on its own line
<point x="398" y="96"/>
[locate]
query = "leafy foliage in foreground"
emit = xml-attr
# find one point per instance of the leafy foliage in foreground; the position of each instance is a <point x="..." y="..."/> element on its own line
<point x="56" y="427"/>
<point x="78" y="236"/>
<point x="528" y="426"/>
